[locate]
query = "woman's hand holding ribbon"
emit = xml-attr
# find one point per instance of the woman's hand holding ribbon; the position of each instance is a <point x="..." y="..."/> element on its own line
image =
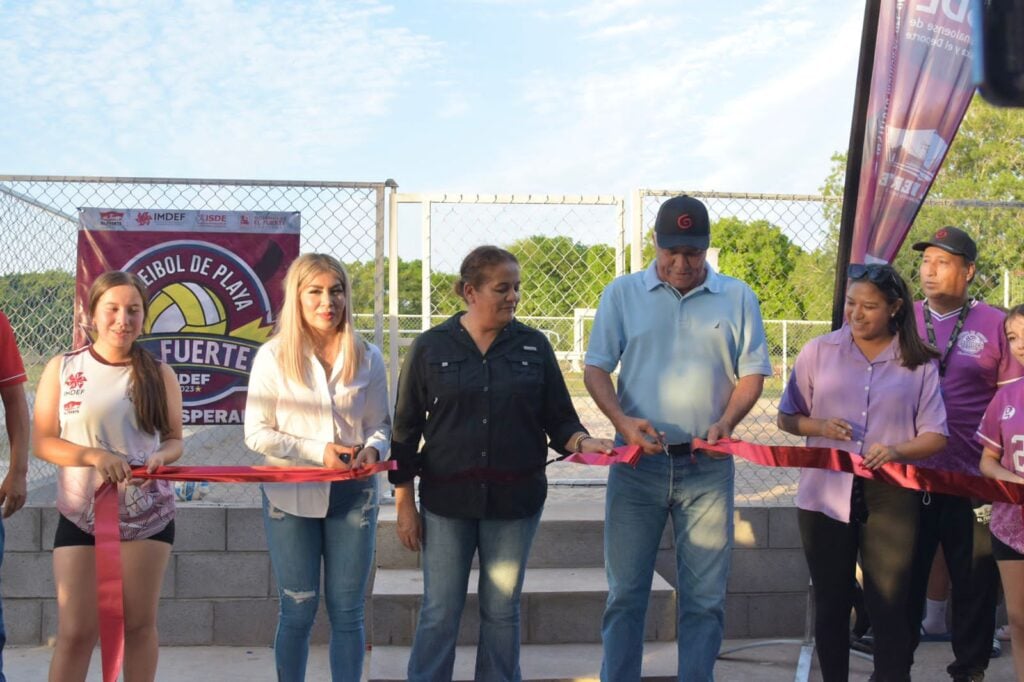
<point x="111" y="468"/>
<point x="365" y="457"/>
<point x="338" y="457"/>
<point x="878" y="454"/>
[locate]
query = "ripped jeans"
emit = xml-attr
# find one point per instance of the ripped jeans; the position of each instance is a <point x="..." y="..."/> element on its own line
<point x="344" y="539"/>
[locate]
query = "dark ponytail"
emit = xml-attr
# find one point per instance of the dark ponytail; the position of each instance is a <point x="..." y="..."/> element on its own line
<point x="148" y="395"/>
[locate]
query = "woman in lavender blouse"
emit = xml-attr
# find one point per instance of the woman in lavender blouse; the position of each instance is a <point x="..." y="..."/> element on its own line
<point x="872" y="389"/>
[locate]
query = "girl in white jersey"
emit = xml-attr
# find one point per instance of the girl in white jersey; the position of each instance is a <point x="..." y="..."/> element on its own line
<point x="1002" y="435"/>
<point x="98" y="412"/>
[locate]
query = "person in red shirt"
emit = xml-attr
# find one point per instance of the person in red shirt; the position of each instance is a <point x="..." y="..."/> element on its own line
<point x="12" y="393"/>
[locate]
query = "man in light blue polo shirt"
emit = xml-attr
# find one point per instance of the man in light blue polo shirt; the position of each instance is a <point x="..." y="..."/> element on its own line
<point x="692" y="357"/>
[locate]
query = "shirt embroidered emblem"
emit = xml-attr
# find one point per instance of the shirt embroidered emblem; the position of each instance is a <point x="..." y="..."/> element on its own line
<point x="971" y="342"/>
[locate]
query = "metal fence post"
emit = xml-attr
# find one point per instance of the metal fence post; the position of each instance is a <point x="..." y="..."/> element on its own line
<point x="425" y="222"/>
<point x="393" y="294"/>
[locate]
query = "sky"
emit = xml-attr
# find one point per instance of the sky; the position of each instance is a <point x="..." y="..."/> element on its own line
<point x="483" y="96"/>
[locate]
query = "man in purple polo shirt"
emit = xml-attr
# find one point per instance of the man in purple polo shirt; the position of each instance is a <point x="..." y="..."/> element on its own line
<point x="975" y="361"/>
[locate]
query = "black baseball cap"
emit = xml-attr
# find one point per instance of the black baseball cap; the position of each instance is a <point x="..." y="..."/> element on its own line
<point x="954" y="240"/>
<point x="682" y="221"/>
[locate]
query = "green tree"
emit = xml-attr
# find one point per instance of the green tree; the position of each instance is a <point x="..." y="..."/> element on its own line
<point x="409" y="285"/>
<point x="758" y="253"/>
<point x="984" y="163"/>
<point x="40" y="306"/>
<point x="560" y="274"/>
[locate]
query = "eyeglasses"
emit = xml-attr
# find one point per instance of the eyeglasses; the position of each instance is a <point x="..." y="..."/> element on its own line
<point x="876" y="273"/>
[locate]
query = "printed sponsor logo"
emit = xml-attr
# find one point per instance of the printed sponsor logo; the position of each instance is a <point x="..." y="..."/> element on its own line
<point x="1008" y="412"/>
<point x="143" y="218"/>
<point x="72" y="406"/>
<point x="76" y="380"/>
<point x="685" y="221"/>
<point x="111" y="218"/>
<point x="165" y="217"/>
<point x="271" y="221"/>
<point x="213" y="220"/>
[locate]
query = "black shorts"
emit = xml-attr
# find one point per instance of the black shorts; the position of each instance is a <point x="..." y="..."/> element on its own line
<point x="1003" y="552"/>
<point x="70" y="535"/>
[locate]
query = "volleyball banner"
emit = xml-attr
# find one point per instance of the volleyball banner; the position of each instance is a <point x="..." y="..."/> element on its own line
<point x="921" y="86"/>
<point x="214" y="281"/>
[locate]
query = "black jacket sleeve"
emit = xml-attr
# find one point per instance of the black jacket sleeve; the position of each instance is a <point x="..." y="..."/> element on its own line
<point x="410" y="416"/>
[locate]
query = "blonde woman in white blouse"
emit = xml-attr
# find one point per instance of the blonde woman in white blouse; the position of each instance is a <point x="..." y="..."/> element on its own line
<point x="318" y="397"/>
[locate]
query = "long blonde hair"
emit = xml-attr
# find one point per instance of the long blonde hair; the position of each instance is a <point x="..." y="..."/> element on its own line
<point x="294" y="339"/>
<point x="149" y="398"/>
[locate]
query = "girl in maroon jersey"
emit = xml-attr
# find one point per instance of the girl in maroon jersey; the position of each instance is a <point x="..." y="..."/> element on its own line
<point x="1002" y="435"/>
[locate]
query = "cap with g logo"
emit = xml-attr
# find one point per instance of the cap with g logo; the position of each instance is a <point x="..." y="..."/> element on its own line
<point x="954" y="240"/>
<point x="682" y="221"/>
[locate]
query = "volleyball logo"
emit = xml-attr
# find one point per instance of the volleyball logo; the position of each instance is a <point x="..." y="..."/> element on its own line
<point x="186" y="307"/>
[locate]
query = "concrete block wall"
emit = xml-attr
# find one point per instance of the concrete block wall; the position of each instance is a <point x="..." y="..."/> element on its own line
<point x="767" y="590"/>
<point x="219" y="588"/>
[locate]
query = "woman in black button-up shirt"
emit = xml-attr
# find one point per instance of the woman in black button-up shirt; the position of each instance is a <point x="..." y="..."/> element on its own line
<point x="486" y="395"/>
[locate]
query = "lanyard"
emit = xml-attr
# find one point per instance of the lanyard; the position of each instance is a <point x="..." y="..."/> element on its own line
<point x="952" y="337"/>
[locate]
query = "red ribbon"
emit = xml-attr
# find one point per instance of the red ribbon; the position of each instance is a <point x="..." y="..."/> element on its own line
<point x="109" y="586"/>
<point x="263" y="474"/>
<point x="894" y="473"/>
<point x="624" y="454"/>
<point x="109" y="593"/>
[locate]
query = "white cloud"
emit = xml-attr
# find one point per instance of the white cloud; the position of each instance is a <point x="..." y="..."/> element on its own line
<point x="779" y="122"/>
<point x="599" y="97"/>
<point x="731" y="107"/>
<point x="638" y="26"/>
<point x="214" y="84"/>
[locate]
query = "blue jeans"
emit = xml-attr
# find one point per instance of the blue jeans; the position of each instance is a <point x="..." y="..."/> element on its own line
<point x="448" y="549"/>
<point x="698" y="495"/>
<point x="344" y="539"/>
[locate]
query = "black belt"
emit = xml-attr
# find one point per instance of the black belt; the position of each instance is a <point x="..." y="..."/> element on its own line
<point x="679" y="450"/>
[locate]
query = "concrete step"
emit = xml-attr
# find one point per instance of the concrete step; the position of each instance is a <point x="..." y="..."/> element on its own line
<point x="558" y="606"/>
<point x="570" y="535"/>
<point x="539" y="662"/>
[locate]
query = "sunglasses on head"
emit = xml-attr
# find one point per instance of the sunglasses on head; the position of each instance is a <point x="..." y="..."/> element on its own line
<point x="876" y="273"/>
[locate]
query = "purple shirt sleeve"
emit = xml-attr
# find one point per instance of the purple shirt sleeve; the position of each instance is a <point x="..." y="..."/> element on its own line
<point x="931" y="411"/>
<point x="798" y="396"/>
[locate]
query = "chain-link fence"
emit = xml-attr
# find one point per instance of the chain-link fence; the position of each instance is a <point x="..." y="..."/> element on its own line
<point x="38" y="226"/>
<point x="784" y="247"/>
<point x="570" y="247"/>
